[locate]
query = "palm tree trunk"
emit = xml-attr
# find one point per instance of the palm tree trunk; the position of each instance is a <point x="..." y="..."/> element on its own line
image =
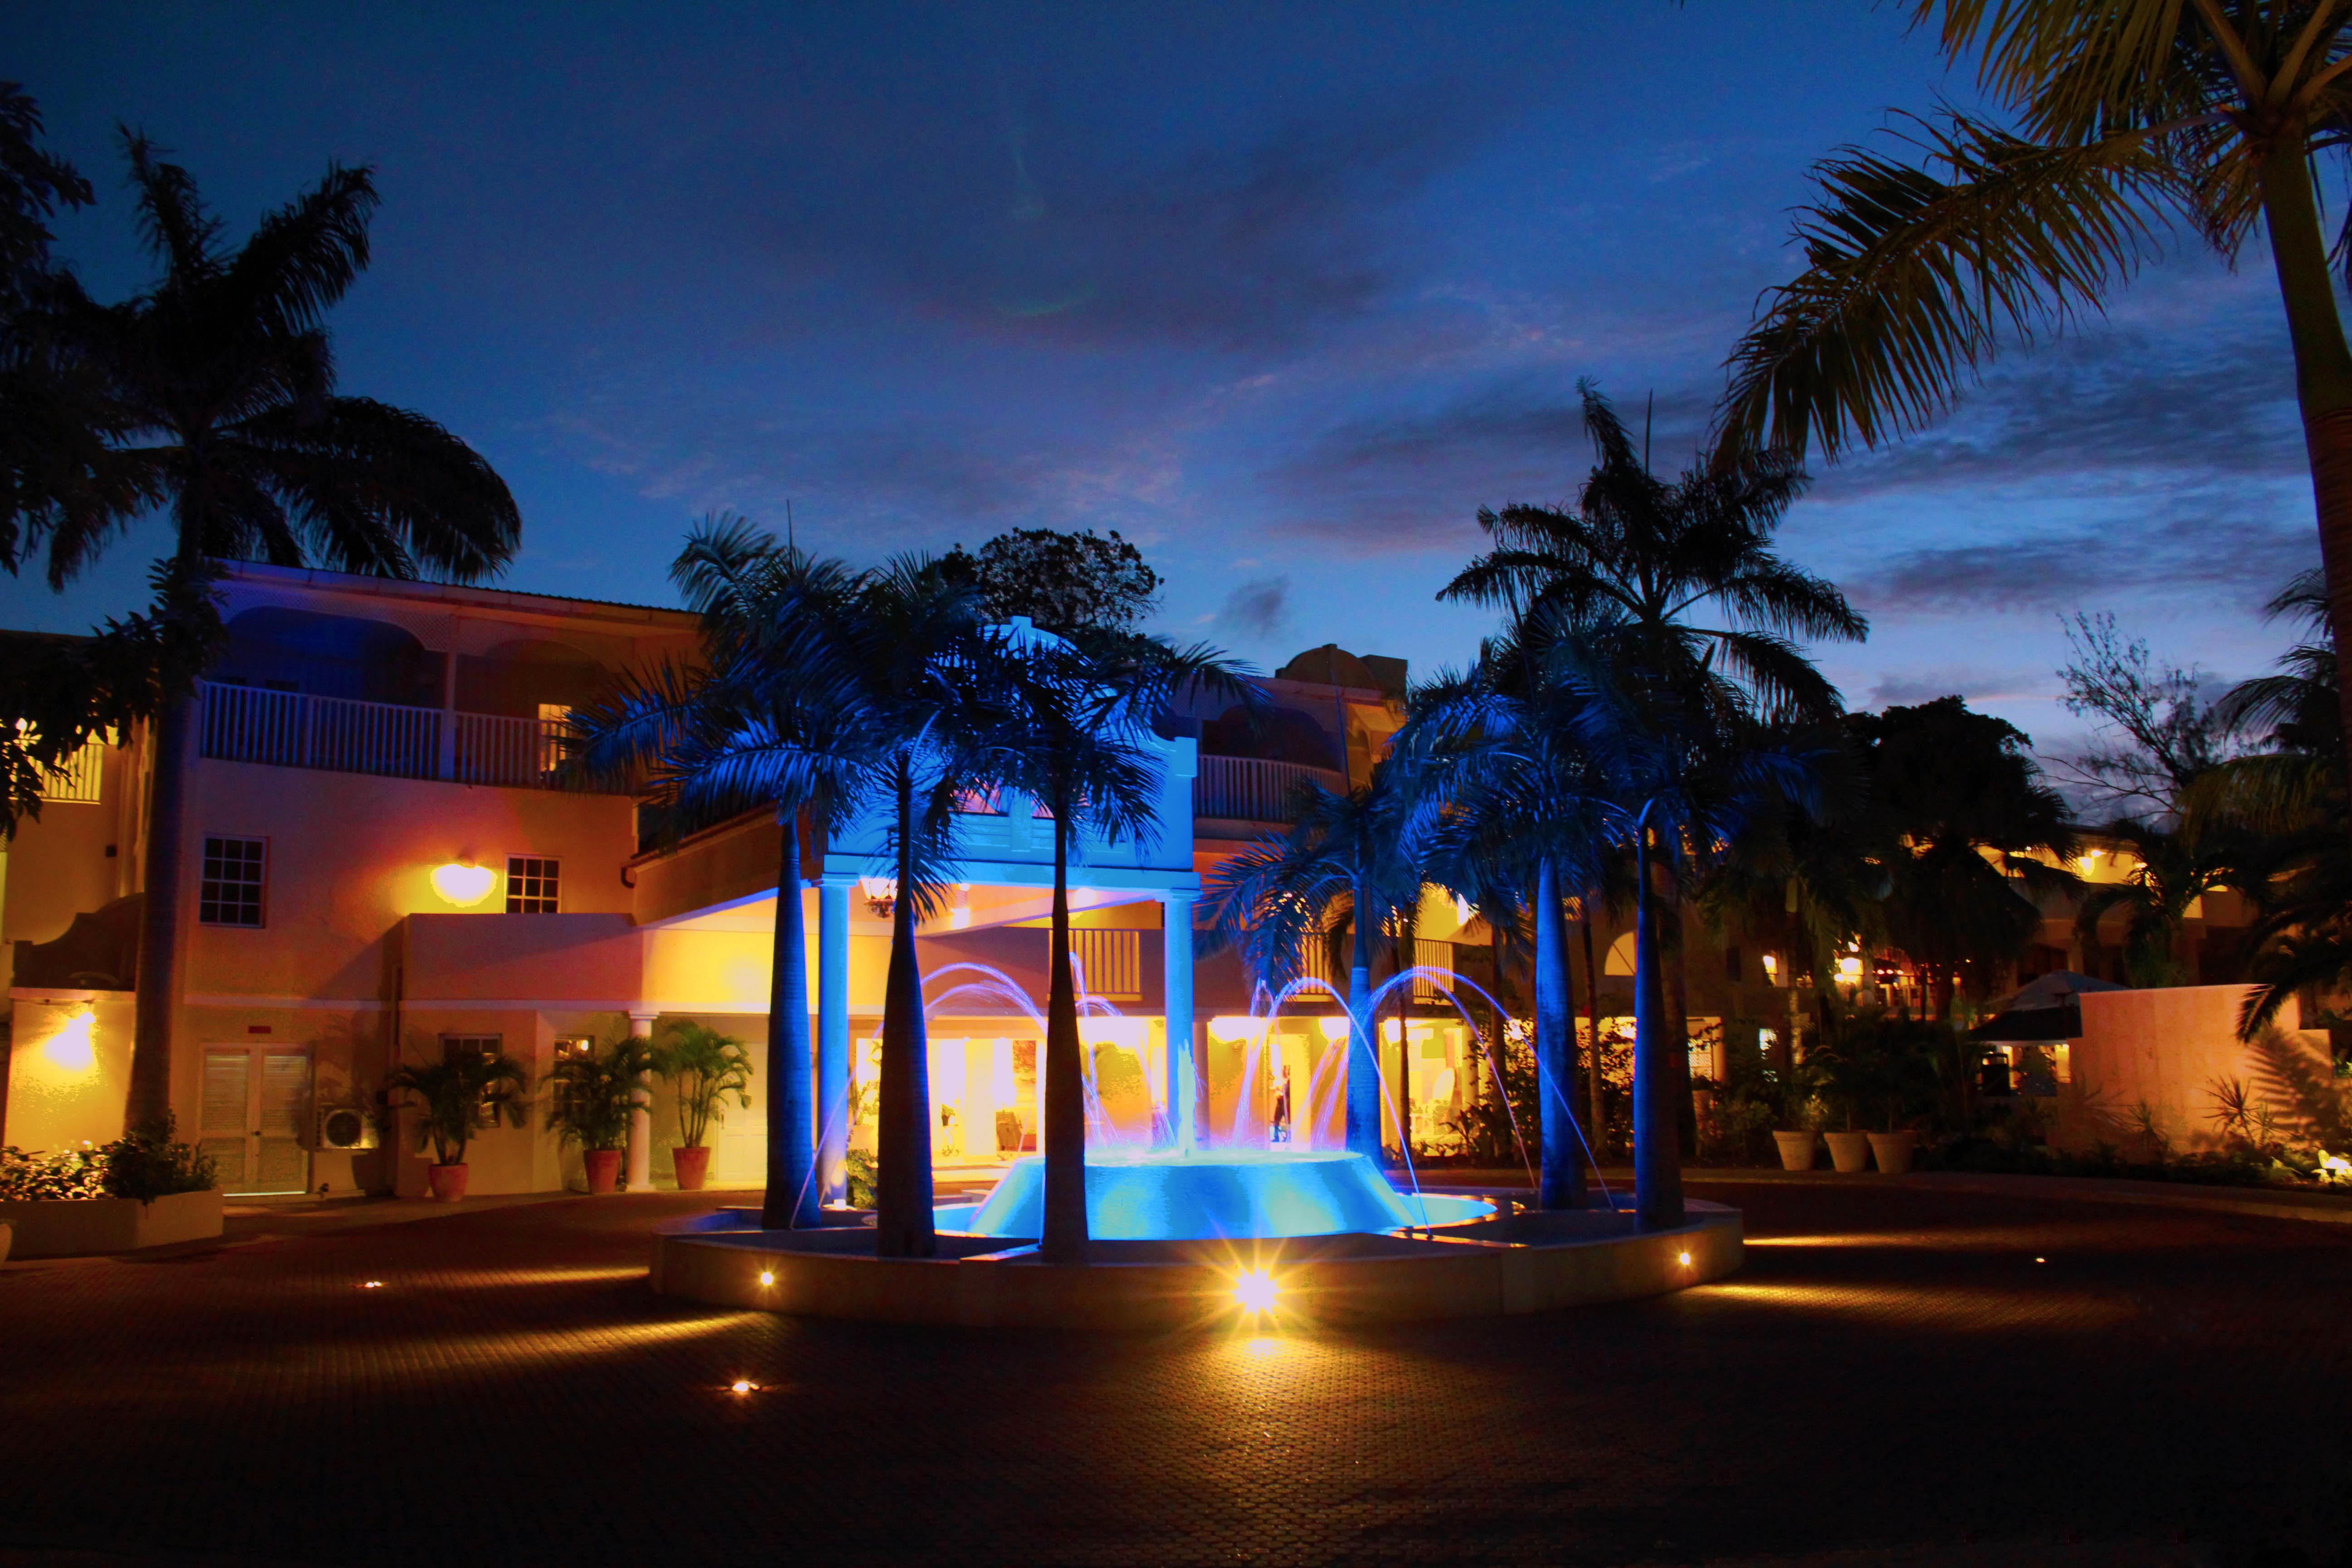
<point x="158" y="981"/>
<point x="1599" y="1121"/>
<point x="1562" y="1183"/>
<point x="792" y="1199"/>
<point x="1676" y="967"/>
<point x="902" y="1177"/>
<point x="1064" y="1238"/>
<point x="1405" y="945"/>
<point x="1363" y="1106"/>
<point x="1660" y="1068"/>
<point x="2323" y="384"/>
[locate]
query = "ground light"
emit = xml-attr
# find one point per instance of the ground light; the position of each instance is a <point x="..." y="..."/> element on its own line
<point x="372" y="1285"/>
<point x="1683" y="1259"/>
<point x="743" y="1385"/>
<point x="1255" y="1290"/>
<point x="767" y="1277"/>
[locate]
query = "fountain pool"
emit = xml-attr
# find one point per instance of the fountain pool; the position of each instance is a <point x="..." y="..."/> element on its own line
<point x="1215" y="1195"/>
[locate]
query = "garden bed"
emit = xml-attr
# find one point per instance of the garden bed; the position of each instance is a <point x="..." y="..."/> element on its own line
<point x="78" y="1227"/>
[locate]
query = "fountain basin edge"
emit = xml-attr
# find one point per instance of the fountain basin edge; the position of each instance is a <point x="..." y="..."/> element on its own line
<point x="1473" y="1272"/>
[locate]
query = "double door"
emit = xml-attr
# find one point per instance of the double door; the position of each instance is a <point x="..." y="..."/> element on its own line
<point x="254" y="1100"/>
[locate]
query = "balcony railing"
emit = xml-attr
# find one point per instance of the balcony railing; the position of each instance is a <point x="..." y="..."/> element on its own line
<point x="341" y="734"/>
<point x="1250" y="789"/>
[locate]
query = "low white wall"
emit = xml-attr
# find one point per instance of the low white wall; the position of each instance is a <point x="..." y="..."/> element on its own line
<point x="75" y="1228"/>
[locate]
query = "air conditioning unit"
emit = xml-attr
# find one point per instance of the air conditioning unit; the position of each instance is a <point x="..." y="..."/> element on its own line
<point x="341" y="1127"/>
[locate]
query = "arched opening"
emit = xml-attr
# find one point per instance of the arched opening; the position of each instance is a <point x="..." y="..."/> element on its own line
<point x="321" y="655"/>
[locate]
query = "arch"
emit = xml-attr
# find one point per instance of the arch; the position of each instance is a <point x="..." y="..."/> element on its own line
<point x="517" y="678"/>
<point x="1621" y="957"/>
<point x="328" y="655"/>
<point x="1280" y="735"/>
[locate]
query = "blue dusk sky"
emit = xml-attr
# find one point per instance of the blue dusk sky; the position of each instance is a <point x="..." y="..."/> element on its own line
<point x="1284" y="294"/>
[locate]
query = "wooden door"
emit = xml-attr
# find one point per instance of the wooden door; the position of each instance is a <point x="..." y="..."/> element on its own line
<point x="254" y="1098"/>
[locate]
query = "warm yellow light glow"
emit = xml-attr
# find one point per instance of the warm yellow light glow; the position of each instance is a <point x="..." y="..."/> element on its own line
<point x="1255" y="1290"/>
<point x="372" y="1285"/>
<point x="1849" y="969"/>
<point x="743" y="1386"/>
<point x="463" y="885"/>
<point x="1227" y="1029"/>
<point x="1683" y="1259"/>
<point x="1462" y="912"/>
<point x="1393" y="1030"/>
<point x="1335" y="1028"/>
<point x="71" y="1049"/>
<point x="1771" y="966"/>
<point x="767" y="1277"/>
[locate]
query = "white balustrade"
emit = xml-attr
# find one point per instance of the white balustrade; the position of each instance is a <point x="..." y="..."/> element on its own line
<point x="1252" y="789"/>
<point x="341" y="734"/>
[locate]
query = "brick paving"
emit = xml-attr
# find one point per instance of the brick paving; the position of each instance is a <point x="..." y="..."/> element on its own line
<point x="1893" y="1379"/>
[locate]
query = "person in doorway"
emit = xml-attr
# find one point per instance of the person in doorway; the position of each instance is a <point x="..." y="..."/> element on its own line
<point x="1280" y="1120"/>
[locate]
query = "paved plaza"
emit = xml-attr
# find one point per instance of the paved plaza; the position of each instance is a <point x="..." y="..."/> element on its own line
<point x="1900" y="1375"/>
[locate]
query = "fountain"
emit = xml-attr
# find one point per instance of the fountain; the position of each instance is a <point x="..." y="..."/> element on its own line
<point x="1189" y="1237"/>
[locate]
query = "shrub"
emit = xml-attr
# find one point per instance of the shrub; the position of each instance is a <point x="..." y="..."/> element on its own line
<point x="861" y="1179"/>
<point x="68" y="1173"/>
<point x="151" y="1162"/>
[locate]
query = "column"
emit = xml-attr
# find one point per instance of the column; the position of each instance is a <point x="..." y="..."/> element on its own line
<point x="832" y="1036"/>
<point x="1176" y="983"/>
<point x="638" y="1169"/>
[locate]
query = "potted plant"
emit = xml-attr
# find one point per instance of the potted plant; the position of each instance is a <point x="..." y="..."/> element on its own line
<point x="1799" y="1137"/>
<point x="595" y="1093"/>
<point x="459" y="1097"/>
<point x="705" y="1066"/>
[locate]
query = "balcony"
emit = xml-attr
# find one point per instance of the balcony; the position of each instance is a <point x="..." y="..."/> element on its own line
<point x="337" y="735"/>
<point x="1250" y="789"/>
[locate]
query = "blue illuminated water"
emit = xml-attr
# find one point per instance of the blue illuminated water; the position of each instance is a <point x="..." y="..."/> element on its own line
<point x="1224" y="1194"/>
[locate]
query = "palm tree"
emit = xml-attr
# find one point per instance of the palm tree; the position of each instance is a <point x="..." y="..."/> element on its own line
<point x="1345" y="862"/>
<point x="222" y="385"/>
<point x="932" y="690"/>
<point x="2170" y="871"/>
<point x="1637" y="558"/>
<point x="774" y="715"/>
<point x="2125" y="118"/>
<point x="1950" y="785"/>
<point x="1509" y="795"/>
<point x="1074" y="733"/>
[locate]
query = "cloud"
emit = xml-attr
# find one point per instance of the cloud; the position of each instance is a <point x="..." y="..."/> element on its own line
<point x="1256" y="608"/>
<point x="2244" y="562"/>
<point x="1978" y="685"/>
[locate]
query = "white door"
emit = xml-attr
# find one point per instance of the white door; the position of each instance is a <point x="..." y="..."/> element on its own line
<point x="252" y="1122"/>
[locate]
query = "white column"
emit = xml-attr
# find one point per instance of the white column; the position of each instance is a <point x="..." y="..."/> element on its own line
<point x="1176" y="984"/>
<point x="639" y="1168"/>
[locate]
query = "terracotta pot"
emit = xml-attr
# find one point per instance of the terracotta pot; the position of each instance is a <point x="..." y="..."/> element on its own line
<point x="1849" y="1151"/>
<point x="1797" y="1150"/>
<point x="603" y="1169"/>
<point x="693" y="1167"/>
<point x="447" y="1182"/>
<point x="1893" y="1150"/>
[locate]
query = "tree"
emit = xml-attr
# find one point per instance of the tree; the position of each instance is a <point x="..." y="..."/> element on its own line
<point x="1064" y="583"/>
<point x="2169" y="872"/>
<point x="2169" y="735"/>
<point x="934" y="700"/>
<point x="774" y="715"/>
<point x="222" y="384"/>
<point x="1074" y="735"/>
<point x="2127" y="118"/>
<point x="1511" y="796"/>
<point x="1950" y="787"/>
<point x="1344" y="865"/>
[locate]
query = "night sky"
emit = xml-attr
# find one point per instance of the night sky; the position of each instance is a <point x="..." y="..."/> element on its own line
<point x="1285" y="295"/>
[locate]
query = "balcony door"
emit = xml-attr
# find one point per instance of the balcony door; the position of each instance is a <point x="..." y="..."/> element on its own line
<point x="252" y="1125"/>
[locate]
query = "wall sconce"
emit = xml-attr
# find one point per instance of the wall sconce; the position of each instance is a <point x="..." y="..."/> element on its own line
<point x="1771" y="966"/>
<point x="960" y="911"/>
<point x="881" y="895"/>
<point x="71" y="1049"/>
<point x="463" y="885"/>
<point x="1850" y="969"/>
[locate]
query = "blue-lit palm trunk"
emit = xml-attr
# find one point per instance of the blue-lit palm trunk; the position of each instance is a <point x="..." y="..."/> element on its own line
<point x="902" y="1199"/>
<point x="1661" y="1071"/>
<point x="792" y="1199"/>
<point x="1562" y="1185"/>
<point x="1065" y="1238"/>
<point x="1363" y="1045"/>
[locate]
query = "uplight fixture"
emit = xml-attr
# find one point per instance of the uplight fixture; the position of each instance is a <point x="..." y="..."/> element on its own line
<point x="1255" y="1290"/>
<point x="743" y="1386"/>
<point x="372" y="1285"/>
<point x="1683" y="1259"/>
<point x="767" y="1277"/>
<point x="462" y="884"/>
<point x="73" y="1049"/>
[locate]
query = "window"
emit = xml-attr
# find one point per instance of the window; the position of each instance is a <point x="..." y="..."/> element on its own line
<point x="459" y="1048"/>
<point x="567" y="1049"/>
<point x="554" y="729"/>
<point x="235" y="872"/>
<point x="530" y="885"/>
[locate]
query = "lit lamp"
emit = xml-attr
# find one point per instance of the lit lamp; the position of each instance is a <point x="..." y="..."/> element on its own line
<point x="1771" y="967"/>
<point x="1850" y="969"/>
<point x="463" y="885"/>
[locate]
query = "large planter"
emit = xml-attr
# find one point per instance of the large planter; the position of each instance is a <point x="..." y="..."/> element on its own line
<point x="7" y="1234"/>
<point x="693" y="1167"/>
<point x="447" y="1182"/>
<point x="1893" y="1150"/>
<point x="1849" y="1151"/>
<point x="603" y="1169"/>
<point x="75" y="1228"/>
<point x="1797" y="1150"/>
